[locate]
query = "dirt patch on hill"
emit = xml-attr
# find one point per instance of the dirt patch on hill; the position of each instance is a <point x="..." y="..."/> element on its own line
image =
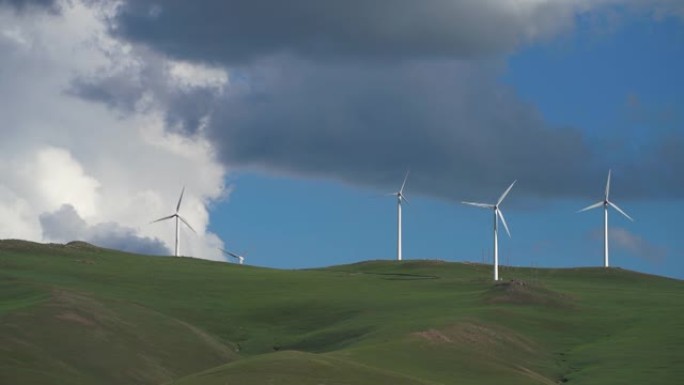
<point x="522" y="293"/>
<point x="477" y="335"/>
<point x="73" y="317"/>
<point x="81" y="245"/>
<point x="434" y="335"/>
<point x="70" y="305"/>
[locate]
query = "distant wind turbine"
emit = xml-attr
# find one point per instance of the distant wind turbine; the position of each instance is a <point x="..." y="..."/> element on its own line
<point x="178" y="218"/>
<point x="497" y="214"/>
<point x="605" y="203"/>
<point x="240" y="258"/>
<point x="400" y="197"/>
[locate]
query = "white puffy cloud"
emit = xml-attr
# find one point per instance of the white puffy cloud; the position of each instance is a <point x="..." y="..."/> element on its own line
<point x="65" y="225"/>
<point x="117" y="172"/>
<point x="636" y="245"/>
<point x="632" y="244"/>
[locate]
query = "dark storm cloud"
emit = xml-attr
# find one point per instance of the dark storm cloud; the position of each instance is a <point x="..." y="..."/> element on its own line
<point x="234" y="31"/>
<point x="459" y="131"/>
<point x="124" y="90"/>
<point x="24" y="4"/>
<point x="657" y="171"/>
<point x="65" y="225"/>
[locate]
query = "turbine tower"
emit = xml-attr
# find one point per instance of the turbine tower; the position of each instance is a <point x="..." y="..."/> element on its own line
<point x="239" y="258"/>
<point x="400" y="197"/>
<point x="497" y="214"/>
<point x="178" y="218"/>
<point x="605" y="203"/>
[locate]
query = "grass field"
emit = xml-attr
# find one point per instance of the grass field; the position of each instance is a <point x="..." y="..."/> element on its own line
<point x="77" y="314"/>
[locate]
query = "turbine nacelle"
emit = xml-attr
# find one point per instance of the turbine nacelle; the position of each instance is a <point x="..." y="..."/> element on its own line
<point x="400" y="197"/>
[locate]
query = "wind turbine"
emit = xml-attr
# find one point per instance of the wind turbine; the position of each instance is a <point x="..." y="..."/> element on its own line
<point x="178" y="218"/>
<point x="605" y="203"/>
<point x="400" y="197"/>
<point x="497" y="214"/>
<point x="240" y="258"/>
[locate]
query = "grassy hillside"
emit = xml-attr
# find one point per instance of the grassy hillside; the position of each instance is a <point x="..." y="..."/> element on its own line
<point x="77" y="314"/>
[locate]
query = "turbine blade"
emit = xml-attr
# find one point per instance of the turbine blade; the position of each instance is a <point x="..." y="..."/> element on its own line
<point x="401" y="191"/>
<point x="620" y="210"/>
<point x="608" y="185"/>
<point x="231" y="254"/>
<point x="595" y="205"/>
<point x="180" y="199"/>
<point x="503" y="221"/>
<point x="227" y="252"/>
<point x="503" y="196"/>
<point x="187" y="224"/>
<point x="163" y="219"/>
<point x="403" y="198"/>
<point x="482" y="205"/>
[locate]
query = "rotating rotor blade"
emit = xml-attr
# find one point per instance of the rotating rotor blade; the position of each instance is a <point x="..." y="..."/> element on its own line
<point x="163" y="219"/>
<point x="608" y="185"/>
<point x="613" y="205"/>
<point x="503" y="196"/>
<point x="403" y="198"/>
<point x="595" y="205"/>
<point x="503" y="221"/>
<point x="230" y="253"/>
<point x="187" y="224"/>
<point x="180" y="199"/>
<point x="401" y="191"/>
<point x="482" y="205"/>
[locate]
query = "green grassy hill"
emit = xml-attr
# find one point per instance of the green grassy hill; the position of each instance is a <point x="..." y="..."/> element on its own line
<point x="77" y="314"/>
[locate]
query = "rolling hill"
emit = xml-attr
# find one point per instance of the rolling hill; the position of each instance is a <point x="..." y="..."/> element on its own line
<point x="78" y="314"/>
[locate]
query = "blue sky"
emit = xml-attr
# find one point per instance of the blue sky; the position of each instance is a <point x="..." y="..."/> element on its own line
<point x="288" y="122"/>
<point x="295" y="223"/>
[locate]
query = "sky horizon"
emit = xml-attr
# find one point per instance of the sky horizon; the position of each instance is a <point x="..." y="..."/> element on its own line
<point x="288" y="123"/>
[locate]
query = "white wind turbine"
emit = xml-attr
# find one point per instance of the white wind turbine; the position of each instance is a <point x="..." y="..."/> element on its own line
<point x="178" y="218"/>
<point x="239" y="258"/>
<point x="497" y="214"/>
<point x="605" y="203"/>
<point x="400" y="197"/>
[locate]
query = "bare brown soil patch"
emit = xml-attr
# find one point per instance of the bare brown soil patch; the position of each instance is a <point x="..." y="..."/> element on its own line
<point x="522" y="293"/>
<point x="73" y="317"/>
<point x="477" y="335"/>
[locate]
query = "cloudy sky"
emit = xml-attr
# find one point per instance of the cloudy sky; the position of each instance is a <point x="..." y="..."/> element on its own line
<point x="288" y="121"/>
